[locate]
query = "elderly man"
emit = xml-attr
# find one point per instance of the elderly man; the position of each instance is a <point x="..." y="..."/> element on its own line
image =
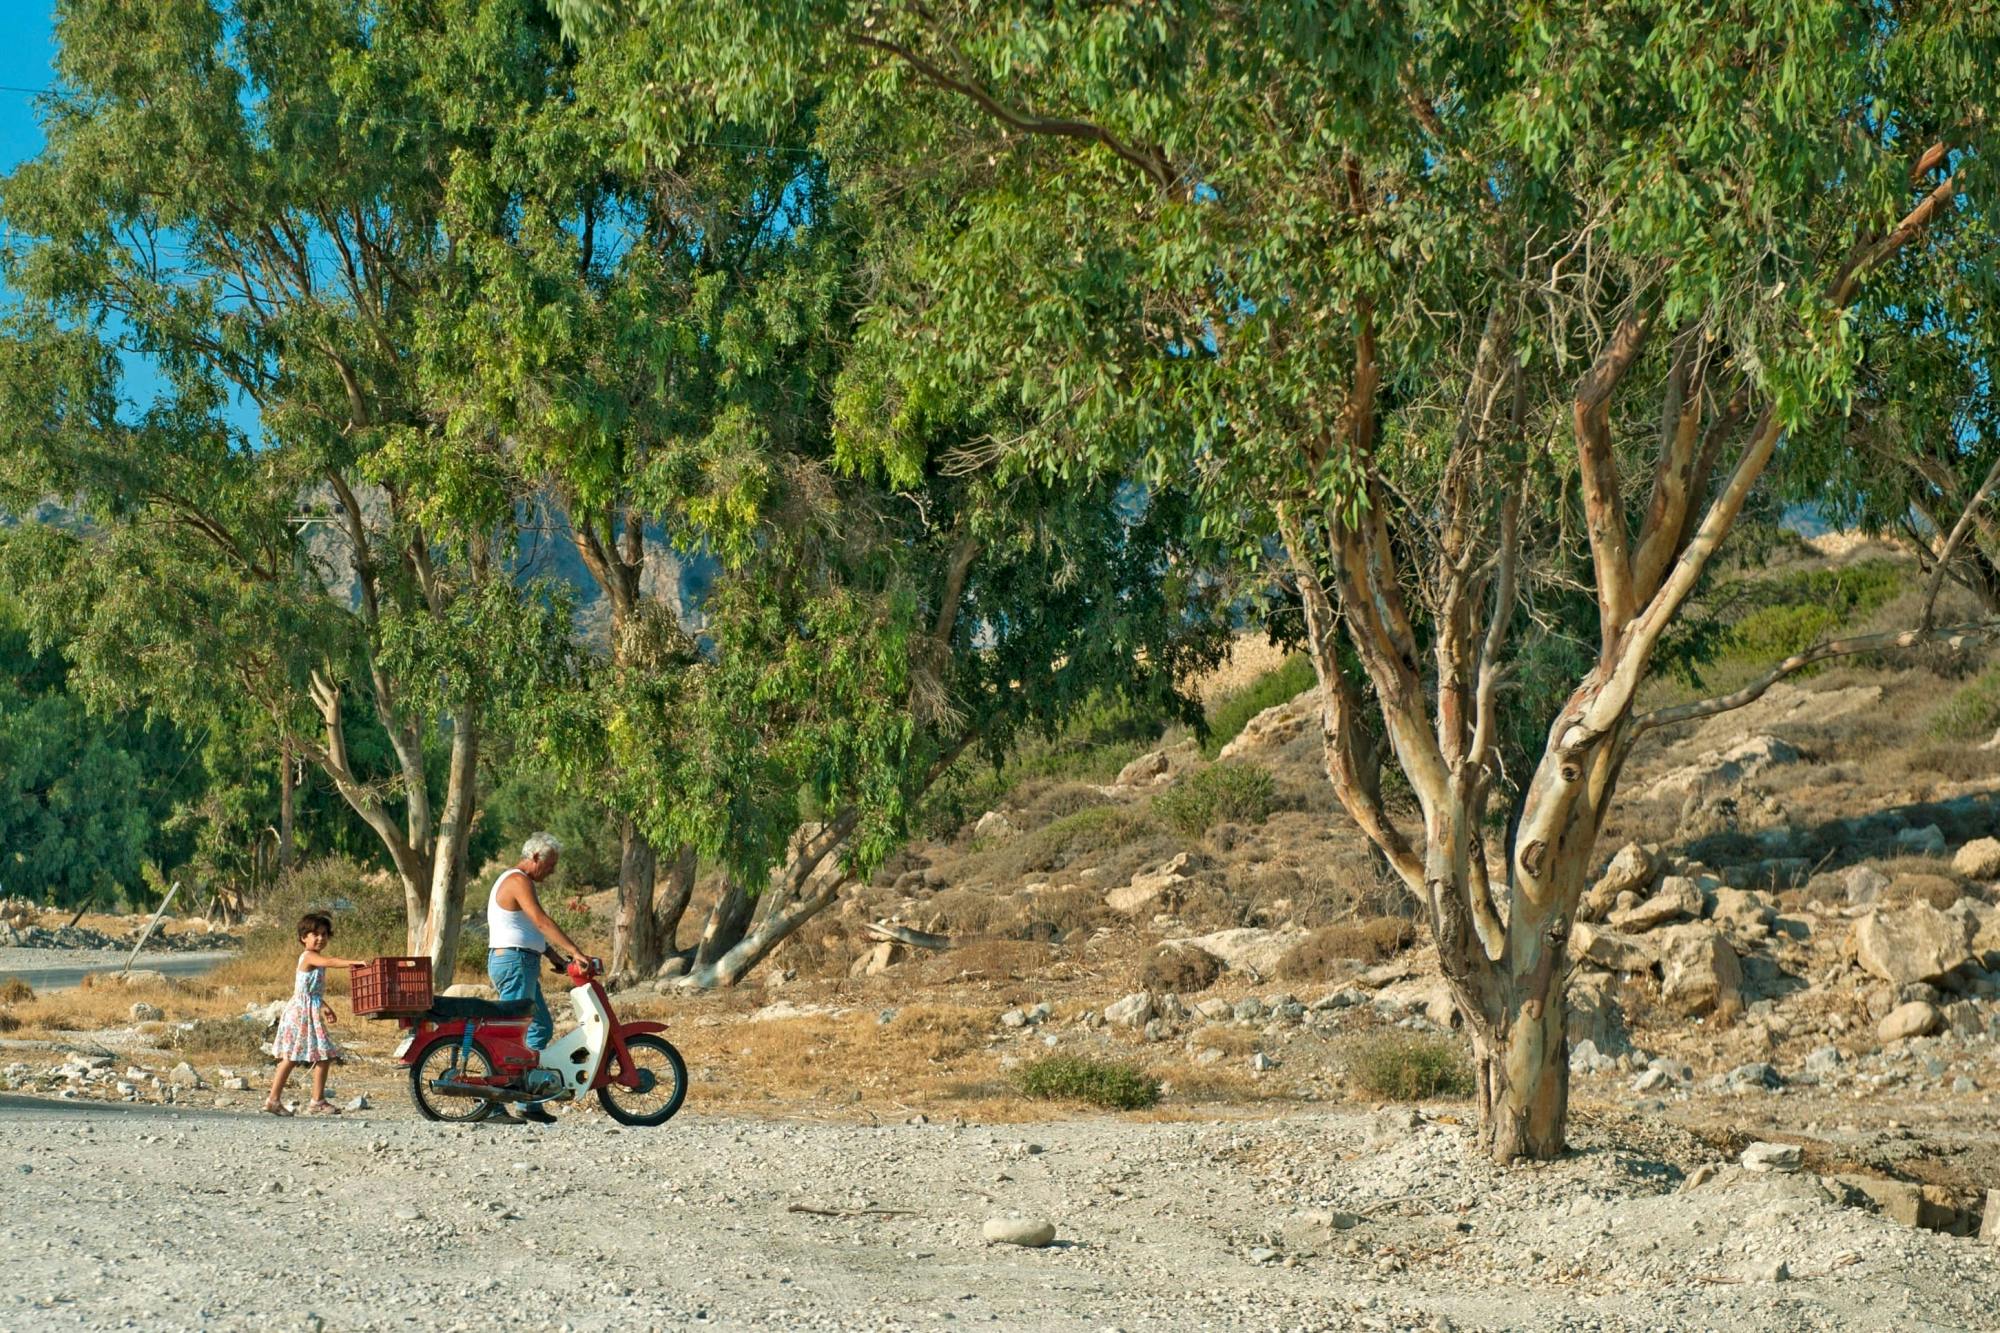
<point x="518" y="932"/>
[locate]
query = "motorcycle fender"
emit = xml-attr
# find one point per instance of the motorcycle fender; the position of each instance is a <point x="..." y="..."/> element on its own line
<point x="623" y="1061"/>
<point x="638" y="1026"/>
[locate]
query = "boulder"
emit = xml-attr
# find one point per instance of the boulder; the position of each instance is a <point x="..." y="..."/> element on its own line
<point x="1915" y="1019"/>
<point x="1150" y="890"/>
<point x="1913" y="943"/>
<point x="1248" y="948"/>
<point x="1700" y="972"/>
<point x="1925" y="841"/>
<point x="1632" y="870"/>
<point x="147" y="1013"/>
<point x="1865" y="886"/>
<point x="1130" y="1012"/>
<point x="1902" y="1201"/>
<point x="1978" y="859"/>
<point x="1144" y="771"/>
<point x="1678" y="897"/>
<point x="879" y="959"/>
<point x="1745" y="913"/>
<point x="1610" y="949"/>
<point x="1721" y="769"/>
<point x="1274" y="727"/>
<point x="1785" y="1157"/>
<point x="1989" y="1229"/>
<point x="993" y="825"/>
<point x="1594" y="1015"/>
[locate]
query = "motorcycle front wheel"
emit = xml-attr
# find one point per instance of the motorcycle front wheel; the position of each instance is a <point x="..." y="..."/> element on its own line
<point x="663" y="1084"/>
<point x="442" y="1059"/>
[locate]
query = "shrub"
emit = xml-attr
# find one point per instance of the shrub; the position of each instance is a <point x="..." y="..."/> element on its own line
<point x="1182" y="969"/>
<point x="229" y="1038"/>
<point x="8" y="1022"/>
<point x="1404" y="1067"/>
<point x="1972" y="713"/>
<point x="1072" y="1078"/>
<point x="1776" y="632"/>
<point x="1231" y="713"/>
<point x="1220" y="794"/>
<point x="1088" y="833"/>
<point x="15" y="991"/>
<point x="1369" y="941"/>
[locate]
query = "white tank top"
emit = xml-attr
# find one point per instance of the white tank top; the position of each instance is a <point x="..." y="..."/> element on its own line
<point x="510" y="930"/>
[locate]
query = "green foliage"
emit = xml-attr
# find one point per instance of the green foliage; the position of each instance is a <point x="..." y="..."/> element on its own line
<point x="1075" y="1078"/>
<point x="1972" y="713"/>
<point x="1219" y="794"/>
<point x="1405" y="1067"/>
<point x="1228" y="716"/>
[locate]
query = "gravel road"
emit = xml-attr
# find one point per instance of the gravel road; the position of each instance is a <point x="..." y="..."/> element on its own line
<point x="61" y="969"/>
<point x="158" y="1217"/>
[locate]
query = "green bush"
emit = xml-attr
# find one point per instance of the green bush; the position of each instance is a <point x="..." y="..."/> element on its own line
<point x="1971" y="714"/>
<point x="1404" y="1067"/>
<point x="1231" y="713"/>
<point x="1222" y="794"/>
<point x="1776" y="632"/>
<point x="1088" y="833"/>
<point x="1072" y="1078"/>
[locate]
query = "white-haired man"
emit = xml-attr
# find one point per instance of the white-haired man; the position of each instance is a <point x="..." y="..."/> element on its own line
<point x="518" y="932"/>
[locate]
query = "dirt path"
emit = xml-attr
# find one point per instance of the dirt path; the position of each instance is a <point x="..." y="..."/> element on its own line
<point x="62" y="969"/>
<point x="149" y="1216"/>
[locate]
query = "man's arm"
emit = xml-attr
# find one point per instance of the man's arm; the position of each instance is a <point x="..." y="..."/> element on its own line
<point x="526" y="900"/>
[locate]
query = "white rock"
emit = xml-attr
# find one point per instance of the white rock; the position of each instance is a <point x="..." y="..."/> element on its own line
<point x="1915" y="1019"/>
<point x="1131" y="1012"/>
<point x="1720" y="769"/>
<point x="1678" y="897"/>
<point x="992" y="825"/>
<point x="1865" y="884"/>
<point x="1700" y="972"/>
<point x="1144" y="771"/>
<point x="1033" y="1232"/>
<point x="1773" y="1157"/>
<point x="1248" y="948"/>
<point x="1149" y="888"/>
<point x="1913" y="943"/>
<point x="1925" y="841"/>
<point x="1978" y="859"/>
<point x="1610" y="949"/>
<point x="147" y="1013"/>
<point x="183" y="1075"/>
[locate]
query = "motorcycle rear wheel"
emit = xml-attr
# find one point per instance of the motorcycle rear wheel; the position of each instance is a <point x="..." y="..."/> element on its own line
<point x="663" y="1076"/>
<point x="439" y="1059"/>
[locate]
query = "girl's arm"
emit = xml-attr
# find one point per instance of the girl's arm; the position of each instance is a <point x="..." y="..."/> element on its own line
<point x="311" y="959"/>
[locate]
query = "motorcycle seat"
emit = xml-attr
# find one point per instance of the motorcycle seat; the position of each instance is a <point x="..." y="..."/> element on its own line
<point x="450" y="1008"/>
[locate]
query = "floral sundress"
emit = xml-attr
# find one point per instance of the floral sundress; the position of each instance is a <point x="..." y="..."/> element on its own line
<point x="302" y="1035"/>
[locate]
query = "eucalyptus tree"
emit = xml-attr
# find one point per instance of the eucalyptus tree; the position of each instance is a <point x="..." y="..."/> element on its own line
<point x="1439" y="306"/>
<point x="648" y="355"/>
<point x="257" y="201"/>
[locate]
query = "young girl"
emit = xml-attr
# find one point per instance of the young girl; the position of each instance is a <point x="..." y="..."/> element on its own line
<point x="302" y="1037"/>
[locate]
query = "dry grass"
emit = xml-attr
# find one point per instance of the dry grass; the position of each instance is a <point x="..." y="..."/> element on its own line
<point x="1228" y="1040"/>
<point x="1320" y="955"/>
<point x="1181" y="969"/>
<point x="15" y="991"/>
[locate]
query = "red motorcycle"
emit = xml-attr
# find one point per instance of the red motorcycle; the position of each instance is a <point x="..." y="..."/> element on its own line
<point x="468" y="1057"/>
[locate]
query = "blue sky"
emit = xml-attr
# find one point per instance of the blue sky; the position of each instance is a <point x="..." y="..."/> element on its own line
<point x="27" y="46"/>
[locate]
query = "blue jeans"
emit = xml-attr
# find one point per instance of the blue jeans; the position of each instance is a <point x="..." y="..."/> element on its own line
<point x="517" y="975"/>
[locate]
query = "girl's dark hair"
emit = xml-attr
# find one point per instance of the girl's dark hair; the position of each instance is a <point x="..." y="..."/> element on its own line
<point x="312" y="921"/>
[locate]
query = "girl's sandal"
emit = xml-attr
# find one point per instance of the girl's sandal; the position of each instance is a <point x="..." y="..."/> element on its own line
<point x="322" y="1108"/>
<point x="276" y="1108"/>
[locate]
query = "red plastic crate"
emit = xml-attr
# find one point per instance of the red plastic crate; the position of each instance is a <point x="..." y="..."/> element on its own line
<point x="392" y="987"/>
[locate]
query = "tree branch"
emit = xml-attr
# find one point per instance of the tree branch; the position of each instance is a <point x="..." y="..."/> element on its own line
<point x="1797" y="662"/>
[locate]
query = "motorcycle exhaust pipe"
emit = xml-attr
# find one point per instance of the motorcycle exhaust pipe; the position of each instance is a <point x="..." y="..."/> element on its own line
<point x="452" y="1088"/>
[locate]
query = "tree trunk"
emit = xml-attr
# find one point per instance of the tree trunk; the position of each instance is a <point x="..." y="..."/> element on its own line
<point x="671" y="902"/>
<point x="287" y="800"/>
<point x="1522" y="1071"/>
<point x="635" y="940"/>
<point x="774" y="929"/>
<point x="727" y="921"/>
<point x="447" y="889"/>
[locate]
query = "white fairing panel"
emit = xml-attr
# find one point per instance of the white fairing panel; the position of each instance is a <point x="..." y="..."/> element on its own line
<point x="576" y="1055"/>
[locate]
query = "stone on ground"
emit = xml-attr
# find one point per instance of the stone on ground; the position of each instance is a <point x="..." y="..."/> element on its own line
<point x="1915" y="1019"/>
<point x="1773" y="1157"/>
<point x="1978" y="859"/>
<point x="1033" y="1232"/>
<point x="1700" y="972"/>
<point x="1913" y="943"/>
